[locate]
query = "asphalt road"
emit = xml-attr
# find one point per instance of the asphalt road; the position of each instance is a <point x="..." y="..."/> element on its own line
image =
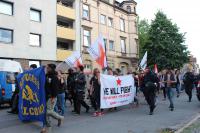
<point x="125" y="120"/>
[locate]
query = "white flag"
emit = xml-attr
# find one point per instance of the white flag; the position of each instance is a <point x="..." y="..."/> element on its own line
<point x="97" y="52"/>
<point x="74" y="60"/>
<point x="143" y="63"/>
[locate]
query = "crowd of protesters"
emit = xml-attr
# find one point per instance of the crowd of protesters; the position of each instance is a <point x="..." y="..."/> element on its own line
<point x="72" y="86"/>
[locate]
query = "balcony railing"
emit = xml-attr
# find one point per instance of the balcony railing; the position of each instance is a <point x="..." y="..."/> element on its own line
<point x="63" y="54"/>
<point x="65" y="33"/>
<point x="66" y="12"/>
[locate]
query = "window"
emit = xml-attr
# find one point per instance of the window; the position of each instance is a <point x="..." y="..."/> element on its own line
<point x="86" y="13"/>
<point x="111" y="46"/>
<point x="10" y="77"/>
<point x="86" y="38"/>
<point x="88" y="68"/>
<point x="123" y="70"/>
<point x="129" y="8"/>
<point x="111" y="65"/>
<point x="103" y="19"/>
<point x="122" y="25"/>
<point x="34" y="62"/>
<point x="6" y="36"/>
<point x="110" y="22"/>
<point x="35" y="39"/>
<point x="35" y="15"/>
<point x="123" y="45"/>
<point x="6" y="7"/>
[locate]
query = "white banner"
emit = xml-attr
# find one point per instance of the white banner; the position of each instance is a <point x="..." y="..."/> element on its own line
<point x="116" y="91"/>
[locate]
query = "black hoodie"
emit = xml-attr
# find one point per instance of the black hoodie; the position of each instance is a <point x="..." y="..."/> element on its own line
<point x="51" y="85"/>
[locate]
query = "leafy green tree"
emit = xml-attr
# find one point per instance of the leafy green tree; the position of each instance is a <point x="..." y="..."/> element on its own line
<point x="143" y="33"/>
<point x="165" y="44"/>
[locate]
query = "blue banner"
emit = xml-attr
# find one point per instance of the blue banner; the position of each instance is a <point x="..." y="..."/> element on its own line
<point x="32" y="101"/>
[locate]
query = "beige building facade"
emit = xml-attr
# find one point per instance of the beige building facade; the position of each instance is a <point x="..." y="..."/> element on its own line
<point x="116" y="22"/>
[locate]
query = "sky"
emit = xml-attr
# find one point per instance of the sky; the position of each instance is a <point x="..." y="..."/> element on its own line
<point x="185" y="13"/>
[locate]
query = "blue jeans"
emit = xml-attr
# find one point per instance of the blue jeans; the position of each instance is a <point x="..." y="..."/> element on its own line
<point x="60" y="105"/>
<point x="170" y="95"/>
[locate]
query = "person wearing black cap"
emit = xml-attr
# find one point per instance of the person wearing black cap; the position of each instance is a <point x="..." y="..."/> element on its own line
<point x="33" y="66"/>
<point x="150" y="82"/>
<point x="51" y="88"/>
<point x="80" y="82"/>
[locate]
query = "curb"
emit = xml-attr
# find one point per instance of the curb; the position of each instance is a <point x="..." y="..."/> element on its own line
<point x="188" y="124"/>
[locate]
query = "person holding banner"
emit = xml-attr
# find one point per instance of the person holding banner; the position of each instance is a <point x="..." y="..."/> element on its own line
<point x="95" y="91"/>
<point x="80" y="82"/>
<point x="51" y="87"/>
<point x="150" y="83"/>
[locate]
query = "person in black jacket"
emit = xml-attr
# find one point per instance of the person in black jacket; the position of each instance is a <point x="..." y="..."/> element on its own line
<point x="188" y="81"/>
<point x="95" y="90"/>
<point x="51" y="88"/>
<point x="71" y="87"/>
<point x="80" y="82"/>
<point x="15" y="98"/>
<point x="150" y="83"/>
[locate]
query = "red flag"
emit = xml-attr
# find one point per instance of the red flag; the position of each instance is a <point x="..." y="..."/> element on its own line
<point x="155" y="68"/>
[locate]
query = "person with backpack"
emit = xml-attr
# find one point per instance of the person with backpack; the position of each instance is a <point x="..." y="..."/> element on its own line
<point x="188" y="81"/>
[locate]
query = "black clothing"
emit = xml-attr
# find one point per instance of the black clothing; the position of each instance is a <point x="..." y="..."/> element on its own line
<point x="71" y="88"/>
<point x="188" y="80"/>
<point x="15" y="100"/>
<point x="51" y="85"/>
<point x="80" y="82"/>
<point x="95" y="98"/>
<point x="172" y="78"/>
<point x="150" y="89"/>
<point x="61" y="88"/>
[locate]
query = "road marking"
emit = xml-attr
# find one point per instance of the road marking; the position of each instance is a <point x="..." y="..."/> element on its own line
<point x="188" y="124"/>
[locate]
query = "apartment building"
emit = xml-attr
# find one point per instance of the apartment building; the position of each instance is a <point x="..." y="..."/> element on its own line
<point x="28" y="31"/>
<point x="68" y="31"/>
<point x="117" y="23"/>
<point x="36" y="32"/>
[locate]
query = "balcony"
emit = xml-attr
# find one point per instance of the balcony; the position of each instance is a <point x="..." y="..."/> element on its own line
<point x="63" y="54"/>
<point x="66" y="12"/>
<point x="66" y="33"/>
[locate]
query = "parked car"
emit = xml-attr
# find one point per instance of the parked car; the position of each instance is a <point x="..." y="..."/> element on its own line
<point x="8" y="71"/>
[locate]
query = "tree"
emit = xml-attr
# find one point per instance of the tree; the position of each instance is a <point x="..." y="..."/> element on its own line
<point x="165" y="44"/>
<point x="143" y="30"/>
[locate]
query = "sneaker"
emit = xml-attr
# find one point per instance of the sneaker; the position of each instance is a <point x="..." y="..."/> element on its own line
<point x="44" y="130"/>
<point x="172" y="109"/>
<point x="151" y="113"/>
<point x="60" y="121"/>
<point x="100" y="114"/>
<point x="95" y="114"/>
